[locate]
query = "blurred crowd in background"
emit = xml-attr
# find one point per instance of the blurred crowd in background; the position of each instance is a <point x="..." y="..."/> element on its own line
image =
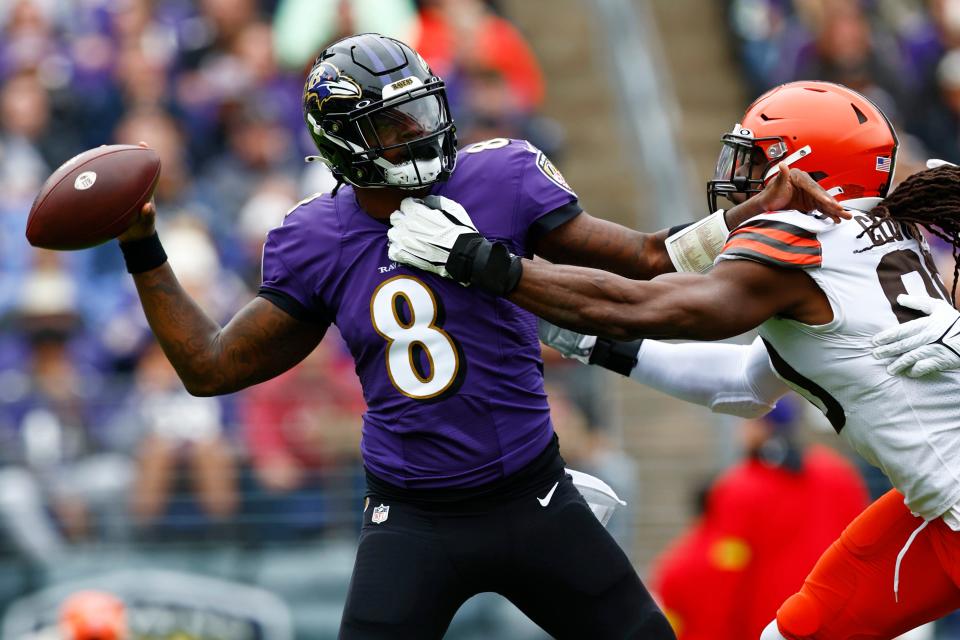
<point x="99" y="442"/>
<point x="98" y="439"/>
<point x="903" y="54"/>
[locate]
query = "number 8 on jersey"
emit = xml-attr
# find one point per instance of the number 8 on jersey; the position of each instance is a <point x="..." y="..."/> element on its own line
<point x="414" y="338"/>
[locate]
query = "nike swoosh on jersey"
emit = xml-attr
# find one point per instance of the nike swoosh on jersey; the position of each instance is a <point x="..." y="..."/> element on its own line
<point x="545" y="500"/>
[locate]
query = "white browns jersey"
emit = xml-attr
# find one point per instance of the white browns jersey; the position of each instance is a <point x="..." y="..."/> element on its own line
<point x="909" y="428"/>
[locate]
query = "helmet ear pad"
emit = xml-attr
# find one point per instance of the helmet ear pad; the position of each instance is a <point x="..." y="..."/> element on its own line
<point x="360" y="81"/>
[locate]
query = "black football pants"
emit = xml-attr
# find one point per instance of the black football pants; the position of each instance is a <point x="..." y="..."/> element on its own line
<point x="556" y="563"/>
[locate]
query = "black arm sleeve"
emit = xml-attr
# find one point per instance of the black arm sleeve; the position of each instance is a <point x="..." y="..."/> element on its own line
<point x="293" y="307"/>
<point x="546" y="224"/>
<point x="619" y="357"/>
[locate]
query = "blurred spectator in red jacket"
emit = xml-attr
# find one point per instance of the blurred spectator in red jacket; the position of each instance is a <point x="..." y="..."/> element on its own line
<point x="765" y="523"/>
<point x="302" y="431"/>
<point x="458" y="35"/>
<point x="303" y="420"/>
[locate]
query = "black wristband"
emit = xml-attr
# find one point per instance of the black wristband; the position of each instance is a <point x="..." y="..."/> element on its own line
<point x="488" y="265"/>
<point x="144" y="254"/>
<point x="620" y="357"/>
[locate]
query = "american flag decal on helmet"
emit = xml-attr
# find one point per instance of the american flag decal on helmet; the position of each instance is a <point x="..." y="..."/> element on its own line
<point x="884" y="164"/>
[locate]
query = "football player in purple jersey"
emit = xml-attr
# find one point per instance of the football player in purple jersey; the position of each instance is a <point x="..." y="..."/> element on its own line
<point x="466" y="487"/>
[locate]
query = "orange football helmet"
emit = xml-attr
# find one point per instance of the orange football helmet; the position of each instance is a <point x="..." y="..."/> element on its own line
<point x="841" y="138"/>
<point x="93" y="615"/>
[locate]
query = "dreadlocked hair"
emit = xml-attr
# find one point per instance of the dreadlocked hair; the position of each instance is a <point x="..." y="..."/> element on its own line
<point x="930" y="199"/>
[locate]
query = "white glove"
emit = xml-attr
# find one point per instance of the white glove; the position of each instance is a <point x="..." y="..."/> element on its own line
<point x="924" y="345"/>
<point x="424" y="231"/>
<point x="570" y="344"/>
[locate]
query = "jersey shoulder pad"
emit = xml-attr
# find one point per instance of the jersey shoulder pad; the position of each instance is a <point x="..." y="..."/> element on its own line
<point x="511" y="155"/>
<point x="312" y="222"/>
<point x="786" y="239"/>
<point x="312" y="204"/>
<point x="815" y="223"/>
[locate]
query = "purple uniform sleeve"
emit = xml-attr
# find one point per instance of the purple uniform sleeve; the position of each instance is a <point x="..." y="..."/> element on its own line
<point x="546" y="200"/>
<point x="280" y="283"/>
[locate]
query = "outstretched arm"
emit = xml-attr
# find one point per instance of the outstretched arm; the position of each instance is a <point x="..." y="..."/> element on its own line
<point x="260" y="342"/>
<point x="736" y="296"/>
<point x="593" y="242"/>
<point x="726" y="378"/>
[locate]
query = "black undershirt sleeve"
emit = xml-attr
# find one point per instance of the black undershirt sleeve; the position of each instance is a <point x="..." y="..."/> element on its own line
<point x="545" y="224"/>
<point x="292" y="306"/>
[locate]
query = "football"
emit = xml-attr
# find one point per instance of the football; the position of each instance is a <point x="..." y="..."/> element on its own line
<point x="93" y="197"/>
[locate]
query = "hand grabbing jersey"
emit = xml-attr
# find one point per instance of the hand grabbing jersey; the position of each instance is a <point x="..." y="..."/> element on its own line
<point x="424" y="231"/>
<point x="925" y="345"/>
<point x="437" y="235"/>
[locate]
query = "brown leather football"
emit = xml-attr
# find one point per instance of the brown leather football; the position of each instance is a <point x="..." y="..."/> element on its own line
<point x="93" y="197"/>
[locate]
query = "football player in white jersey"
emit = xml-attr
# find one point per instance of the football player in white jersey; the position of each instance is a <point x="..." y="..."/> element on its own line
<point x="819" y="292"/>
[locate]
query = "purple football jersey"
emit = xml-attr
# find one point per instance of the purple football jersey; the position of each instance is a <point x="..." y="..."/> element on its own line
<point x="451" y="375"/>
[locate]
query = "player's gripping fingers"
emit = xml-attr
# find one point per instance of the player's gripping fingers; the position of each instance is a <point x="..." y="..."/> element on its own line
<point x="420" y="220"/>
<point x="905" y="363"/>
<point x="908" y="335"/>
<point x="398" y="254"/>
<point x="932" y="365"/>
<point x="451" y="208"/>
<point x="924" y="304"/>
<point x="143" y="226"/>
<point x="813" y="197"/>
<point x="915" y="333"/>
<point x="570" y="344"/>
<point x="899" y="340"/>
<point x="401" y="243"/>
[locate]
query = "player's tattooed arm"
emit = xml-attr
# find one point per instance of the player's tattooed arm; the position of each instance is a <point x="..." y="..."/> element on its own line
<point x="593" y="242"/>
<point x="734" y="297"/>
<point x="260" y="342"/>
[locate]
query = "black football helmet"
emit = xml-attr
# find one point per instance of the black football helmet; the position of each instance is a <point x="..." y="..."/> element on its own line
<point x="378" y="115"/>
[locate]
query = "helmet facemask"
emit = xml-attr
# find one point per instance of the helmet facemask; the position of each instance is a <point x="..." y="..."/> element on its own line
<point x="744" y="166"/>
<point x="405" y="141"/>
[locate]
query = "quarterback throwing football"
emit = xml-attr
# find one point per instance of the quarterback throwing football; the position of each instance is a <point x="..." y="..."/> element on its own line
<point x="466" y="490"/>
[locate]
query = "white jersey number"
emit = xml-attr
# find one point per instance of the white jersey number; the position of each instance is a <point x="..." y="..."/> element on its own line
<point x="487" y="145"/>
<point x="422" y="359"/>
<point x="902" y="272"/>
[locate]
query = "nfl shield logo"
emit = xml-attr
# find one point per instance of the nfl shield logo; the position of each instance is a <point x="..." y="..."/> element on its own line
<point x="380" y="514"/>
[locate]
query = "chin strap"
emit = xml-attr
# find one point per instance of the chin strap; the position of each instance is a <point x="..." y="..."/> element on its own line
<point x="339" y="180"/>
